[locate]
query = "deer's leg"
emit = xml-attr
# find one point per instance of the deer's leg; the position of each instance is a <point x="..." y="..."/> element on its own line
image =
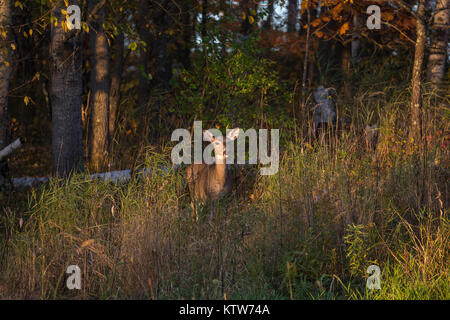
<point x="211" y="212"/>
<point x="194" y="211"/>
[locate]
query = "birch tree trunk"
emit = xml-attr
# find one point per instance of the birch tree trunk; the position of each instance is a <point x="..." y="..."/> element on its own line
<point x="416" y="99"/>
<point x="439" y="42"/>
<point x="66" y="92"/>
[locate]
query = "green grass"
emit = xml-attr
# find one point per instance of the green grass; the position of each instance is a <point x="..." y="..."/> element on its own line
<point x="308" y="232"/>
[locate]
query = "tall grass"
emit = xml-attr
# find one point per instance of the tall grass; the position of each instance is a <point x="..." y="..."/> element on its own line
<point x="308" y="232"/>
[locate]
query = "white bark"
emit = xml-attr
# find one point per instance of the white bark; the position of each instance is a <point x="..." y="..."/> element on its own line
<point x="113" y="176"/>
<point x="439" y="42"/>
<point x="10" y="148"/>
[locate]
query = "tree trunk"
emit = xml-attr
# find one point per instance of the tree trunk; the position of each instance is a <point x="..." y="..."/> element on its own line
<point x="5" y="71"/>
<point x="292" y="15"/>
<point x="306" y="61"/>
<point x="439" y="42"/>
<point x="66" y="92"/>
<point x="144" y="58"/>
<point x="116" y="78"/>
<point x="5" y="66"/>
<point x="355" y="36"/>
<point x="416" y="99"/>
<point x="269" y="19"/>
<point x="324" y="52"/>
<point x="245" y="23"/>
<point x="346" y="65"/>
<point x="203" y="31"/>
<point x="162" y="64"/>
<point x="99" y="84"/>
<point x="187" y="35"/>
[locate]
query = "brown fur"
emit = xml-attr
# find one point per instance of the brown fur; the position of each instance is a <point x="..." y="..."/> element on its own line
<point x="211" y="182"/>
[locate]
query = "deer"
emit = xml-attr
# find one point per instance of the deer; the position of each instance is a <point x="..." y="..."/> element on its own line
<point x="209" y="183"/>
<point x="324" y="114"/>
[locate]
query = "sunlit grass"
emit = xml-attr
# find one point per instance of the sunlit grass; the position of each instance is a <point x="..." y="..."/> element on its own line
<point x="308" y="232"/>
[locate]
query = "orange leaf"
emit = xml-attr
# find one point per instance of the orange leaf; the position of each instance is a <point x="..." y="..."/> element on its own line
<point x="87" y="243"/>
<point x="316" y="22"/>
<point x="344" y="28"/>
<point x="388" y="16"/>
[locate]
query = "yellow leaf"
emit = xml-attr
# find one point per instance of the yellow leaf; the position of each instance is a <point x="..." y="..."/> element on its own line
<point x="304" y="6"/>
<point x="251" y="19"/>
<point x="244" y="16"/>
<point x="26" y="100"/>
<point x="66" y="3"/>
<point x="30" y="32"/>
<point x="85" y="26"/>
<point x="13" y="46"/>
<point x="18" y="4"/>
<point x="36" y="76"/>
<point x="4" y="34"/>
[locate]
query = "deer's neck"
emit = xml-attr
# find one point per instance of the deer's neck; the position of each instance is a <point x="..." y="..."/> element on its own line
<point x="220" y="171"/>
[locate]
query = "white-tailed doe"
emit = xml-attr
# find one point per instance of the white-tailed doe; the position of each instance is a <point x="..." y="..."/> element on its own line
<point x="208" y="183"/>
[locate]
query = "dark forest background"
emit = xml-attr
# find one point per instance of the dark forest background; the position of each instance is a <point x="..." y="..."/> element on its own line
<point x="371" y="189"/>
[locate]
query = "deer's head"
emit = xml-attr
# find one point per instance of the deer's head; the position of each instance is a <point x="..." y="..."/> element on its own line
<point x="220" y="143"/>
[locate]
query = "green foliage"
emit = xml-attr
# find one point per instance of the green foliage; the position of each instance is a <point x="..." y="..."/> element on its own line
<point x="358" y="249"/>
<point x="235" y="86"/>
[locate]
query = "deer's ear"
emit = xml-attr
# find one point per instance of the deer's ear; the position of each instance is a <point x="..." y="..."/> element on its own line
<point x="233" y="134"/>
<point x="208" y="136"/>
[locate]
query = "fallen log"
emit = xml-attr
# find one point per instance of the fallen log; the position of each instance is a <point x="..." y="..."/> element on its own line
<point x="112" y="176"/>
<point x="10" y="148"/>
